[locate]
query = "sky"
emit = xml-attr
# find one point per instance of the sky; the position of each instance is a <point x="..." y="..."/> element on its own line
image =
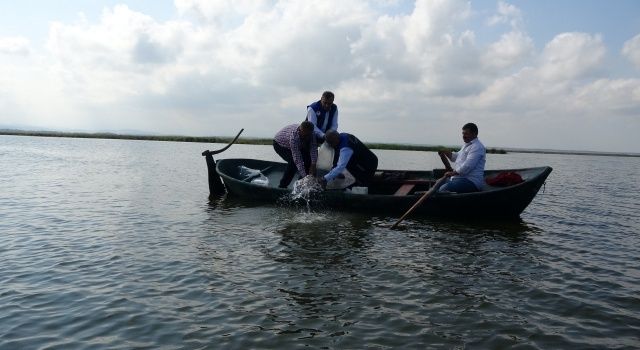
<point x="541" y="74"/>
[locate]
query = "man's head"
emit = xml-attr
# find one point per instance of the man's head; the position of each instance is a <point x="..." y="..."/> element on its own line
<point x="469" y="132"/>
<point x="332" y="138"/>
<point x="305" y="129"/>
<point x="326" y="100"/>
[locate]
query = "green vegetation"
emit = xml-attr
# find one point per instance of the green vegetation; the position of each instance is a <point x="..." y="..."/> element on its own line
<point x="405" y="147"/>
<point x="216" y="139"/>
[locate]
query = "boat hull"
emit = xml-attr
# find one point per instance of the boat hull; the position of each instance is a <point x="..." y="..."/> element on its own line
<point x="503" y="202"/>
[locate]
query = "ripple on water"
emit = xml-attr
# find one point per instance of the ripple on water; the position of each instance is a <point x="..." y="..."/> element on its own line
<point x="113" y="244"/>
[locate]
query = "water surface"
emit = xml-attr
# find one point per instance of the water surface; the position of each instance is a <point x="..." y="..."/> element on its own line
<point x="114" y="244"/>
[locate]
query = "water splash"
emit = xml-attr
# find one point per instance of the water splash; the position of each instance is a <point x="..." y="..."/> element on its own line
<point x="304" y="189"/>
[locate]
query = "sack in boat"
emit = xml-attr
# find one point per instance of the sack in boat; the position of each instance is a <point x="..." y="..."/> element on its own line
<point x="325" y="157"/>
<point x="504" y="179"/>
<point x="325" y="164"/>
<point x="341" y="182"/>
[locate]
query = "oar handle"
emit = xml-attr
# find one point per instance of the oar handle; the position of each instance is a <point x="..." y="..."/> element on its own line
<point x="445" y="161"/>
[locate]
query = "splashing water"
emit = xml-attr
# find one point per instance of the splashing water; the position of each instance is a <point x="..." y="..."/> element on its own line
<point x="304" y="188"/>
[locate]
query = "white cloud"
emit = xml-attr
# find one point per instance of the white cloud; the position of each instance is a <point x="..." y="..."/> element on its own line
<point x="631" y="50"/>
<point x="126" y="54"/>
<point x="563" y="82"/>
<point x="506" y="14"/>
<point x="423" y="48"/>
<point x="572" y="56"/>
<point x="15" y="46"/>
<point x="219" y="66"/>
<point x="512" y="49"/>
<point x="222" y="12"/>
<point x="597" y="113"/>
<point x="613" y="97"/>
<point x="431" y="23"/>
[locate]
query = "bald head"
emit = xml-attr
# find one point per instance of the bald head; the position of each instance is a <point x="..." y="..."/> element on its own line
<point x="332" y="137"/>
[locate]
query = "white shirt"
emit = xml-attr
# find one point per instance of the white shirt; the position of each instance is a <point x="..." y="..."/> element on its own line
<point x="469" y="162"/>
<point x="311" y="116"/>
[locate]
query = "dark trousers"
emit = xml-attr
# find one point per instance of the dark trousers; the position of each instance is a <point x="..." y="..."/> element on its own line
<point x="291" y="169"/>
<point x="362" y="165"/>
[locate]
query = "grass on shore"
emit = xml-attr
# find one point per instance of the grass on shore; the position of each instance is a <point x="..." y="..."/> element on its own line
<point x="223" y="140"/>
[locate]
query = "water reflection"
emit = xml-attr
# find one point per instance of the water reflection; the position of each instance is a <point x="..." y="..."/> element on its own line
<point x="515" y="230"/>
<point x="335" y="233"/>
<point x="226" y="202"/>
<point x="330" y="276"/>
<point x="324" y="258"/>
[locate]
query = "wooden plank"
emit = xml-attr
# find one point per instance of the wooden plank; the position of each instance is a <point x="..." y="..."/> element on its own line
<point x="404" y="190"/>
<point x="408" y="181"/>
<point x="418" y="182"/>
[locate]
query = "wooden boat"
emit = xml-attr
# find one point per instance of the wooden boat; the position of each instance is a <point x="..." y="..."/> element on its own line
<point x="391" y="191"/>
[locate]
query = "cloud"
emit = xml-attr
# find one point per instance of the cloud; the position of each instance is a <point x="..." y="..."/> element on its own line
<point x="126" y="54"/>
<point x="506" y="14"/>
<point x="512" y="49"/>
<point x="223" y="12"/>
<point x="618" y="97"/>
<point x="421" y="48"/>
<point x="631" y="50"/>
<point x="15" y="46"/>
<point x="414" y="75"/>
<point x="572" y="56"/>
<point x="562" y="67"/>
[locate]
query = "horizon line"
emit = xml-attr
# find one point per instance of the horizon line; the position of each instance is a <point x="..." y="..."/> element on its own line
<point x="207" y="139"/>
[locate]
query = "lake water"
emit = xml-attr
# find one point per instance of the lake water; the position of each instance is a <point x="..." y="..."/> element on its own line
<point x="113" y="244"/>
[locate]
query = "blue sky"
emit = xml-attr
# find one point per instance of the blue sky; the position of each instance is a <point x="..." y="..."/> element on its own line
<point x="544" y="18"/>
<point x="532" y="74"/>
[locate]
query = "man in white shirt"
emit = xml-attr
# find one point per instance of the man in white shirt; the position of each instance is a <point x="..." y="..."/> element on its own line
<point x="323" y="114"/>
<point x="467" y="172"/>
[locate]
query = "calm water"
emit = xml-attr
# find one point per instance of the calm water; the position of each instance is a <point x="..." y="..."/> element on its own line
<point x="114" y="244"/>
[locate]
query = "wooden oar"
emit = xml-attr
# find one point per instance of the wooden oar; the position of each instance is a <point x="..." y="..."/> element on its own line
<point x="422" y="199"/>
<point x="445" y="161"/>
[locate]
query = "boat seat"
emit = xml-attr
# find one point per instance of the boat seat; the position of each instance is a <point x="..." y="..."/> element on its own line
<point x="404" y="189"/>
<point x="408" y="185"/>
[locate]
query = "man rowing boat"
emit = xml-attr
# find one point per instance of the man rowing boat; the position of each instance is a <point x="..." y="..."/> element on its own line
<point x="467" y="173"/>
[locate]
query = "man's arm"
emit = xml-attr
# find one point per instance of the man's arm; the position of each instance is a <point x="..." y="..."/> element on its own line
<point x="294" y="142"/>
<point x="311" y="116"/>
<point x="343" y="160"/>
<point x="473" y="157"/>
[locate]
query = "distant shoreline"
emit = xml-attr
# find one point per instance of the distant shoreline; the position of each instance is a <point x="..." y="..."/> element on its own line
<point x="576" y="153"/>
<point x="218" y="139"/>
<point x="268" y="141"/>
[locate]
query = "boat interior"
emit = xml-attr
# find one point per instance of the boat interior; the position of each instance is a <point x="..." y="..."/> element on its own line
<point x="384" y="182"/>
